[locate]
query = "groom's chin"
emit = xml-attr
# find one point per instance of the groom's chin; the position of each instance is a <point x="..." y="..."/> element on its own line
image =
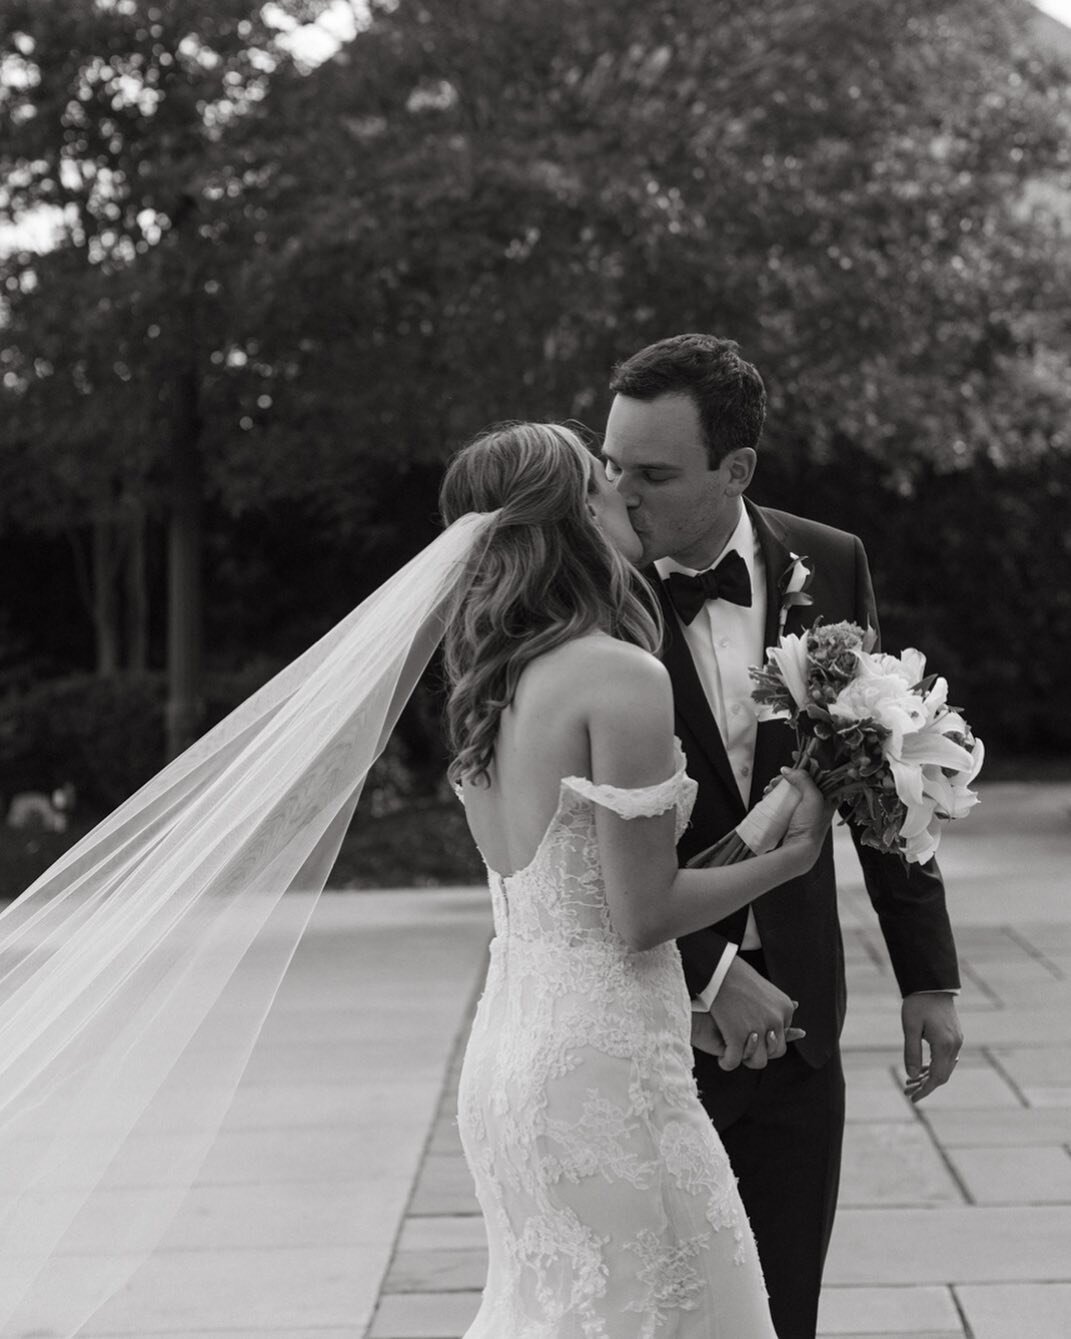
<point x="648" y="552"/>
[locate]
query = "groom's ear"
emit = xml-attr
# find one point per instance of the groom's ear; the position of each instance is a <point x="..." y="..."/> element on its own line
<point x="740" y="467"/>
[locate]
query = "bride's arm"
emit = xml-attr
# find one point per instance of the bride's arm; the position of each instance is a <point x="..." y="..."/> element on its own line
<point x="630" y="725"/>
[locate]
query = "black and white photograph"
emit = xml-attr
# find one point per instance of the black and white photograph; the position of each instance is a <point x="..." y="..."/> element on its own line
<point x="535" y="605"/>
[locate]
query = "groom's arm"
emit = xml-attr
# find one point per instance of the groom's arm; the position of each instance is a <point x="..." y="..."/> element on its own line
<point x="913" y="914"/>
<point x="909" y="900"/>
<point x="706" y="956"/>
<point x="910" y="904"/>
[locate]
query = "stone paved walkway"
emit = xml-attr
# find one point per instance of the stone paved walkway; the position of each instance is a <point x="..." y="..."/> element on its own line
<point x="955" y="1216"/>
<point x="335" y="1204"/>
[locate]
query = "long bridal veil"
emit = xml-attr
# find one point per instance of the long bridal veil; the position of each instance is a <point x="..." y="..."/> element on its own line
<point x="136" y="974"/>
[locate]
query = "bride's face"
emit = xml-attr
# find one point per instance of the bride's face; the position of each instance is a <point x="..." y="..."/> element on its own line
<point x="611" y="515"/>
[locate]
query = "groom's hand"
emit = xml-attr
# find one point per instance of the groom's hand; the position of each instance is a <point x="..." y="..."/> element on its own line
<point x="929" y="1016"/>
<point x="705" y="1035"/>
<point x="753" y="1017"/>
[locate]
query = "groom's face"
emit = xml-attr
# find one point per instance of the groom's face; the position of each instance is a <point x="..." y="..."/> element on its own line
<point x="679" y="504"/>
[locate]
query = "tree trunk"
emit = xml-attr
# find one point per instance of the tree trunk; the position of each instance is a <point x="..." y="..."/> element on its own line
<point x="184" y="615"/>
<point x="137" y="591"/>
<point x="105" y="603"/>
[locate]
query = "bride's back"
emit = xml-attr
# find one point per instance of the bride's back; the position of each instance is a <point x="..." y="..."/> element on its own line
<point x="542" y="737"/>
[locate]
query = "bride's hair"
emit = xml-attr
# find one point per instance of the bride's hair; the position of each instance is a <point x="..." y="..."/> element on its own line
<point x="545" y="575"/>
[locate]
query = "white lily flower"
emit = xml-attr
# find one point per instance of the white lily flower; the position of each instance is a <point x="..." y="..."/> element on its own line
<point x="790" y="657"/>
<point x="931" y="797"/>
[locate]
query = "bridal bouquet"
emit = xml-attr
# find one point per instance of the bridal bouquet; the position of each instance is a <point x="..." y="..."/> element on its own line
<point x="876" y="734"/>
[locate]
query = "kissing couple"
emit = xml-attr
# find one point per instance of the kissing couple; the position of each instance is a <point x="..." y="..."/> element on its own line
<point x="603" y="733"/>
<point x="599" y="621"/>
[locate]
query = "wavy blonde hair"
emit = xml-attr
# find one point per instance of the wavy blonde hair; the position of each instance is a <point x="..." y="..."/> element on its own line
<point x="545" y="575"/>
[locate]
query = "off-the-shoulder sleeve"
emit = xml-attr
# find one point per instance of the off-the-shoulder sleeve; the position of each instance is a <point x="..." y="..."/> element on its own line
<point x="635" y="802"/>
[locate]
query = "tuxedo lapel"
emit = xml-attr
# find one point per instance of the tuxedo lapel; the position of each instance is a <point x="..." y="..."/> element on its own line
<point x="773" y="739"/>
<point x="689" y="699"/>
<point x="776" y="558"/>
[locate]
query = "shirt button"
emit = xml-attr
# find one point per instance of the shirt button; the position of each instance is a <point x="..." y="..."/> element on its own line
<point x="736" y="708"/>
<point x="745" y="770"/>
<point x="724" y="643"/>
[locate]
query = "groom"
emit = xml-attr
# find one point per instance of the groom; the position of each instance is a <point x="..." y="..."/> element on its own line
<point x="680" y="446"/>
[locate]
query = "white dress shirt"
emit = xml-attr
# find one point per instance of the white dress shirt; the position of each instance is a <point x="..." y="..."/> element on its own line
<point x="725" y="640"/>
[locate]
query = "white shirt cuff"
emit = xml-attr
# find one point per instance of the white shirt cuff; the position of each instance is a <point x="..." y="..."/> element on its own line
<point x="947" y="990"/>
<point x="703" y="1001"/>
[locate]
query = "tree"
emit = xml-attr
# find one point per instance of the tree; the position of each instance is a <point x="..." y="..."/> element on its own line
<point x="117" y="119"/>
<point x="472" y="211"/>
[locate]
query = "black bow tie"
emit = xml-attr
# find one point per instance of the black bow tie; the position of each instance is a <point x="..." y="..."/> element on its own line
<point x="728" y="581"/>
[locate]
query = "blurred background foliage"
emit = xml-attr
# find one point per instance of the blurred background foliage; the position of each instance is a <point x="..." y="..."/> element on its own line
<point x="294" y="287"/>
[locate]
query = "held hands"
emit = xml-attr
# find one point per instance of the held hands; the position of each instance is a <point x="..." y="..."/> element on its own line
<point x="749" y="1020"/>
<point x="706" y="1037"/>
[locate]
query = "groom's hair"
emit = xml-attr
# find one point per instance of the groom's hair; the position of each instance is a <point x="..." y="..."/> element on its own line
<point x="728" y="392"/>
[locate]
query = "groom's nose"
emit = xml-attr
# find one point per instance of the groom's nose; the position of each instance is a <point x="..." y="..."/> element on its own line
<point x="627" y="488"/>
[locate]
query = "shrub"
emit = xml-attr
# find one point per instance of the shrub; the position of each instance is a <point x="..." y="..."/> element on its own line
<point x="104" y="736"/>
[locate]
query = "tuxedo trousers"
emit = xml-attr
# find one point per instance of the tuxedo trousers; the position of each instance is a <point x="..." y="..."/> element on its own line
<point x="783" y="1128"/>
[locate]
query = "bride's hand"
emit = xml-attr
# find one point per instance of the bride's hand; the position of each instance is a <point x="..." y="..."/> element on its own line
<point x="707" y="1037"/>
<point x="810" y="819"/>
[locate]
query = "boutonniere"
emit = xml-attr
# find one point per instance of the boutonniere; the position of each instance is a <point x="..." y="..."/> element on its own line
<point x="794" y="584"/>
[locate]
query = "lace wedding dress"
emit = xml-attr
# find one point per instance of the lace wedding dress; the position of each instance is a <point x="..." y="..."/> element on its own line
<point x="610" y="1206"/>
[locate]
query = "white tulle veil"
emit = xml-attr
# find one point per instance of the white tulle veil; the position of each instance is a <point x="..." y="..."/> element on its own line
<point x="136" y="973"/>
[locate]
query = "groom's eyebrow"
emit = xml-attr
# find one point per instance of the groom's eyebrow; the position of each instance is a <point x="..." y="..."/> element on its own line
<point x="643" y="464"/>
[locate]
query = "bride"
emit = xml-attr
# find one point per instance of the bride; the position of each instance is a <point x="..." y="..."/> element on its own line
<point x="610" y="1206"/>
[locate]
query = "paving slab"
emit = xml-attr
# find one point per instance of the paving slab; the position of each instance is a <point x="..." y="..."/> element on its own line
<point x="1036" y="1065"/>
<point x="1051" y="1096"/>
<point x="436" y="1271"/>
<point x="442" y="1232"/>
<point x="442" y="1315"/>
<point x="444" y="1186"/>
<point x="971" y="1244"/>
<point x="1036" y="1175"/>
<point x="893" y="1163"/>
<point x="884" y="1311"/>
<point x="874" y="1094"/>
<point x="975" y="1087"/>
<point x="321" y="1332"/>
<point x="273" y="1292"/>
<point x="1002" y="1128"/>
<point x="1026" y="1311"/>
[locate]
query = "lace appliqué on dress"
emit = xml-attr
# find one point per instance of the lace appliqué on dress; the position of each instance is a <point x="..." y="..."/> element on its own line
<point x="604" y="1187"/>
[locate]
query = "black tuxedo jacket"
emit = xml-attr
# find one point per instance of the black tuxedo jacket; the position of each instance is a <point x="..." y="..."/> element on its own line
<point x="798" y="922"/>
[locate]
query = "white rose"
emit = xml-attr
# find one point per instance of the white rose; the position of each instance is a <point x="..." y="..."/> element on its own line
<point x="883" y="698"/>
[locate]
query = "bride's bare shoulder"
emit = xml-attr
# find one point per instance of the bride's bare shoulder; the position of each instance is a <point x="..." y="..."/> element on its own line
<point x="606" y="671"/>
